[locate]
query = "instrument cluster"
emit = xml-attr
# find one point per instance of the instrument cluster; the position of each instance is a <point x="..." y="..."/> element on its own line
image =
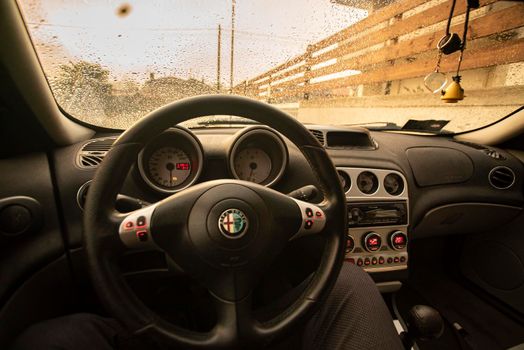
<point x="174" y="160"/>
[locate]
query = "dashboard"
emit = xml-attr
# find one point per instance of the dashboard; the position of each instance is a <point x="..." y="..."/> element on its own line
<point x="398" y="187"/>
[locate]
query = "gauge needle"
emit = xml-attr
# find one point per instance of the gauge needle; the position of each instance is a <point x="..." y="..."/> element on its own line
<point x="253" y="166"/>
<point x="170" y="167"/>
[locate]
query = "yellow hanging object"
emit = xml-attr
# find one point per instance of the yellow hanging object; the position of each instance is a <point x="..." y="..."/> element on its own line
<point x="454" y="92"/>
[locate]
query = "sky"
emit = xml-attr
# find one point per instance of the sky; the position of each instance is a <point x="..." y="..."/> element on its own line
<point x="179" y="37"/>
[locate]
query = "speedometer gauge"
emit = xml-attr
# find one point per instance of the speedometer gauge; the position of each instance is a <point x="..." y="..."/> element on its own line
<point x="172" y="161"/>
<point x="169" y="166"/>
<point x="252" y="164"/>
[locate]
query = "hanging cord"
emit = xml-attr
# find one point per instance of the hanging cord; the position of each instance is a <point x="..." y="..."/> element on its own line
<point x="464" y="36"/>
<point x="466" y="22"/>
<point x="439" y="58"/>
<point x="452" y="10"/>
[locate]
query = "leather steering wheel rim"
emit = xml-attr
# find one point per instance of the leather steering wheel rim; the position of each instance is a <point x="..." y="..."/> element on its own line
<point x="103" y="243"/>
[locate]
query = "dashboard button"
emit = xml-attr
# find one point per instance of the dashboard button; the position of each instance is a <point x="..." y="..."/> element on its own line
<point x="390" y="260"/>
<point x="402" y="259"/>
<point x="367" y="261"/>
<point x="129" y="225"/>
<point x="381" y="260"/>
<point x="360" y="262"/>
<point x="374" y="261"/>
<point x="309" y="212"/>
<point x="396" y="259"/>
<point x="351" y="260"/>
<point x="355" y="215"/>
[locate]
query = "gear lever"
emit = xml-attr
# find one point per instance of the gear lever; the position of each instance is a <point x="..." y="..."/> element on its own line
<point x="424" y="323"/>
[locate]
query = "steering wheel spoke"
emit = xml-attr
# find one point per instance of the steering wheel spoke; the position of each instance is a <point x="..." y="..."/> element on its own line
<point x="235" y="321"/>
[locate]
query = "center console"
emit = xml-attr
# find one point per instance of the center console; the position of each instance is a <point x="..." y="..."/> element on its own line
<point x="378" y="218"/>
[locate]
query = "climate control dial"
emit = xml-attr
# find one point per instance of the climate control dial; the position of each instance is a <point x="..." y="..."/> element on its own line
<point x="372" y="242"/>
<point x="398" y="240"/>
<point x="350" y="244"/>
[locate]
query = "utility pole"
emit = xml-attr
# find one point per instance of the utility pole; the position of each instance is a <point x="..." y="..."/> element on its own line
<point x="219" y="53"/>
<point x="233" y="3"/>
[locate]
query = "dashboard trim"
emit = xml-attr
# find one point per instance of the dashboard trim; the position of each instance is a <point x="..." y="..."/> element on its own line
<point x="354" y="193"/>
<point x="354" y="196"/>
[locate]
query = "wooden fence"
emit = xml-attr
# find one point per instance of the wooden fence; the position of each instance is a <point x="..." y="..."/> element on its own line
<point x="391" y="45"/>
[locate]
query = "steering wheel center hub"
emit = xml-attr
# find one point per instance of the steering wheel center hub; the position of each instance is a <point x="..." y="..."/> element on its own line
<point x="226" y="225"/>
<point x="233" y="223"/>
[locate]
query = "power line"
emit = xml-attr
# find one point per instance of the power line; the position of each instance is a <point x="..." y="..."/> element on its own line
<point x="219" y="53"/>
<point x="129" y="28"/>
<point x="233" y="2"/>
<point x="165" y="29"/>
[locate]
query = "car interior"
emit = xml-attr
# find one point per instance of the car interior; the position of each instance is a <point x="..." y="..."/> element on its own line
<point x="183" y="168"/>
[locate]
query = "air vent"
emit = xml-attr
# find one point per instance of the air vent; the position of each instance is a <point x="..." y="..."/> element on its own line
<point x="493" y="154"/>
<point x="319" y="135"/>
<point x="81" y="195"/>
<point x="356" y="138"/>
<point x="501" y="177"/>
<point x="487" y="151"/>
<point x="93" y="152"/>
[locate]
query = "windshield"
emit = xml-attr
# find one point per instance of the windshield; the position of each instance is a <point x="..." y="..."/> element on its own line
<point x="336" y="62"/>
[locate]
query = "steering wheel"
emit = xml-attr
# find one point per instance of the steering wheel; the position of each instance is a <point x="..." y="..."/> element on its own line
<point x="224" y="233"/>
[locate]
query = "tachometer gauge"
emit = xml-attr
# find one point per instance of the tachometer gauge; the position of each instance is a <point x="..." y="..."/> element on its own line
<point x="169" y="166"/>
<point x="252" y="164"/>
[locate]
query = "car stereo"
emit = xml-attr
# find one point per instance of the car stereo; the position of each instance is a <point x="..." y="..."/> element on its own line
<point x="377" y="214"/>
